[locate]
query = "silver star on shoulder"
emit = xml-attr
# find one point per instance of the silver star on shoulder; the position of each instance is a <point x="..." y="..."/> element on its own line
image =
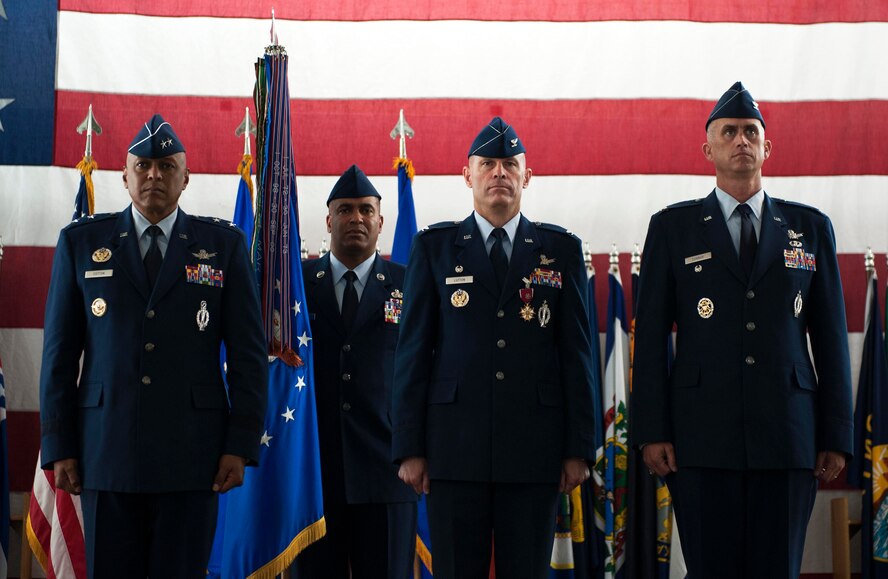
<point x="288" y="415"/>
<point x="3" y="104"/>
<point x="216" y="220"/>
<point x="295" y="308"/>
<point x="300" y="383"/>
<point x="265" y="439"/>
<point x="303" y="339"/>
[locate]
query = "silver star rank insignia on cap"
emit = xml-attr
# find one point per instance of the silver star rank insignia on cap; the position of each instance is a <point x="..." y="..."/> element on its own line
<point x="166" y="143"/>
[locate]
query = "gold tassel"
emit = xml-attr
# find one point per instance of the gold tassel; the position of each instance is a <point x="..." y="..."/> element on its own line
<point x="406" y="163"/>
<point x="577" y="524"/>
<point x="424" y="554"/>
<point x="87" y="165"/>
<point x="279" y="564"/>
<point x="244" y="169"/>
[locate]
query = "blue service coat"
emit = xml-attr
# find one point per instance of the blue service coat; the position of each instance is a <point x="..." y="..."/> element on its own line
<point x="149" y="412"/>
<point x="480" y="392"/>
<point x="743" y="392"/>
<point x="353" y="382"/>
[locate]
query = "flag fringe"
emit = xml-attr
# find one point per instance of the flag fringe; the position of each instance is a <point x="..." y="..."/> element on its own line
<point x="86" y="166"/>
<point x="245" y="170"/>
<point x="279" y="564"/>
<point x="406" y="163"/>
<point x="424" y="554"/>
<point x="577" y="523"/>
<point x="36" y="547"/>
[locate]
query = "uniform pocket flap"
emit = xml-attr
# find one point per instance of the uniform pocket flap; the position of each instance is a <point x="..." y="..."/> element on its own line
<point x="209" y="396"/>
<point x="805" y="377"/>
<point x="442" y="392"/>
<point x="685" y="376"/>
<point x="89" y="395"/>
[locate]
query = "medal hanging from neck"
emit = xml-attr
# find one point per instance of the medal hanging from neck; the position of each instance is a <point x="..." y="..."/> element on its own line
<point x="526" y="295"/>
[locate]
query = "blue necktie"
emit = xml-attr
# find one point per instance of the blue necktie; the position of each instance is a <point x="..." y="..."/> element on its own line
<point x="498" y="256"/>
<point x="349" y="300"/>
<point x="153" y="258"/>
<point x="748" y="241"/>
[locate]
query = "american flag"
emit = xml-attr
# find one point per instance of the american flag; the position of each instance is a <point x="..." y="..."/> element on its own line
<point x="610" y="97"/>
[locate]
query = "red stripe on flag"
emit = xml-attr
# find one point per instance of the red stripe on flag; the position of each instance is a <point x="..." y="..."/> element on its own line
<point x="23" y="433"/>
<point x="23" y="296"/>
<point x="72" y="532"/>
<point x="783" y="12"/>
<point x="563" y="137"/>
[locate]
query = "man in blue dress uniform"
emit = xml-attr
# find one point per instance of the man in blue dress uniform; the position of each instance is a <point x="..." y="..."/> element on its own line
<point x="354" y="303"/>
<point x="746" y="424"/>
<point x="492" y="403"/>
<point x="145" y="430"/>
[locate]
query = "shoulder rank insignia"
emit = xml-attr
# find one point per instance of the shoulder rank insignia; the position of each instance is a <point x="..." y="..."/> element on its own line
<point x="202" y="254"/>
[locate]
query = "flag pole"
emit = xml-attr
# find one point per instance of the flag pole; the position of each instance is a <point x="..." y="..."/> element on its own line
<point x="587" y="257"/>
<point x="614" y="259"/>
<point x="636" y="261"/>
<point x="869" y="260"/>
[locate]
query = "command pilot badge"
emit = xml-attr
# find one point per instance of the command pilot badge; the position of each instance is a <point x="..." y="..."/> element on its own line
<point x="203" y="316"/>
<point x="101" y="255"/>
<point x="705" y="308"/>
<point x="459" y="298"/>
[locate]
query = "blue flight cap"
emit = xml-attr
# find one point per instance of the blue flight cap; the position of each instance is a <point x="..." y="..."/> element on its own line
<point x="156" y="139"/>
<point x="736" y="103"/>
<point x="497" y="140"/>
<point x="353" y="184"/>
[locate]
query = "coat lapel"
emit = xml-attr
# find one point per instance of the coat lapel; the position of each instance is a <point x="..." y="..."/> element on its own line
<point x="772" y="238"/>
<point x="715" y="232"/>
<point x="525" y="248"/>
<point x="471" y="253"/>
<point x="125" y="252"/>
<point x="321" y="282"/>
<point x="182" y="242"/>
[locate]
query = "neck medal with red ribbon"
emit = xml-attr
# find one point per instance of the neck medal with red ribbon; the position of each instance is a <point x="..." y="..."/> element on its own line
<point x="526" y="295"/>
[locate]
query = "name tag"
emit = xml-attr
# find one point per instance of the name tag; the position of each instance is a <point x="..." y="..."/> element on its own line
<point x="461" y="279"/>
<point x="98" y="273"/>
<point x="700" y="257"/>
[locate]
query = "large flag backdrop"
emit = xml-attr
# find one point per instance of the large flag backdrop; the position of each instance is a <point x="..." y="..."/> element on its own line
<point x="610" y="98"/>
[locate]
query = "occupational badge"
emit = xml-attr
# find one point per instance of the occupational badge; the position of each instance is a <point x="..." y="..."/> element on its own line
<point x="545" y="260"/>
<point x="101" y="255"/>
<point x="794" y="243"/>
<point x="545" y="314"/>
<point x="705" y="308"/>
<point x="202" y="254"/>
<point x="459" y="298"/>
<point x="698" y="268"/>
<point x="458" y="269"/>
<point x="99" y="307"/>
<point x="203" y="316"/>
<point x="797" y="304"/>
<point x="793" y="235"/>
<point x="397" y="294"/>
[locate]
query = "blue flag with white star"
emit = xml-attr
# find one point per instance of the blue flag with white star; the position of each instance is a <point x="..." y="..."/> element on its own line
<point x="27" y="99"/>
<point x="278" y="511"/>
